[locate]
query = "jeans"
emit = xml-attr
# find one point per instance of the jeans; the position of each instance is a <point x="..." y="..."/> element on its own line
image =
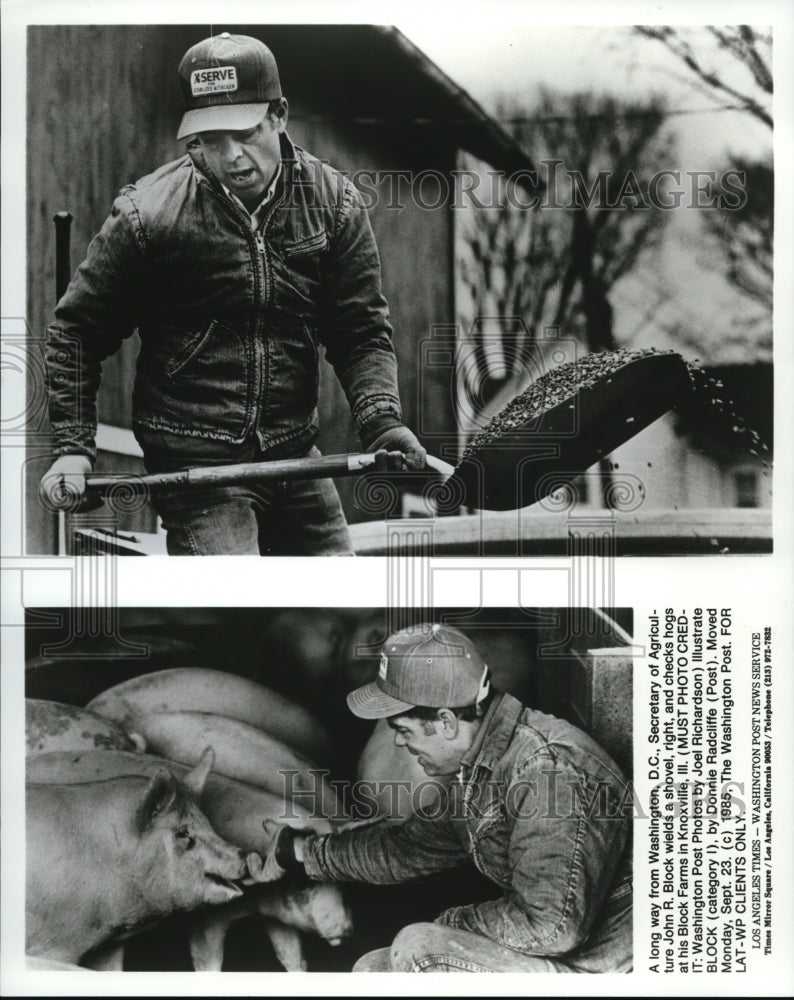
<point x="248" y="518"/>
<point x="438" y="948"/>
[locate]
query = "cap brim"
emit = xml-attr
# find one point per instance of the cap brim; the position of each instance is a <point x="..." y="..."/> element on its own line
<point x="221" y="118"/>
<point x="369" y="702"/>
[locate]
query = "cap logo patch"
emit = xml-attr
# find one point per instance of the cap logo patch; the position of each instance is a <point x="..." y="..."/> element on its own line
<point x="219" y="80"/>
<point x="384" y="664"/>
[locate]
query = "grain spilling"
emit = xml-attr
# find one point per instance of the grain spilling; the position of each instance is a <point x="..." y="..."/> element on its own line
<point x="556" y="387"/>
<point x="560" y="387"/>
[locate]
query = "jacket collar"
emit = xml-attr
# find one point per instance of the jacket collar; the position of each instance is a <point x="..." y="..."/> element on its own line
<point x="495" y="733"/>
<point x="288" y="157"/>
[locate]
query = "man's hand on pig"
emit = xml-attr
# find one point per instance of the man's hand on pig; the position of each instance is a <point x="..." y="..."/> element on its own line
<point x="285" y="853"/>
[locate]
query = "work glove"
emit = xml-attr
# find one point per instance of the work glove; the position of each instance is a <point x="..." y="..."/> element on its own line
<point x="64" y="482"/>
<point x="388" y="433"/>
<point x="279" y="859"/>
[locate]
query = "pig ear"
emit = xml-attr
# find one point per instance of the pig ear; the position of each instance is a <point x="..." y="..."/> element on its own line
<point x="196" y="778"/>
<point x="159" y="795"/>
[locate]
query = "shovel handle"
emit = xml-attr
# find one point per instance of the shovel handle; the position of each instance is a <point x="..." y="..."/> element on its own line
<point x="440" y="466"/>
<point x="290" y="469"/>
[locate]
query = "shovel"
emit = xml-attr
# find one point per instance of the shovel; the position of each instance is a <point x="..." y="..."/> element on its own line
<point x="506" y="467"/>
<point x="514" y="463"/>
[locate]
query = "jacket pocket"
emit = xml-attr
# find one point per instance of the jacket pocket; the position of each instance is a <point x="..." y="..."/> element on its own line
<point x="194" y="343"/>
<point x="306" y="247"/>
<point x="216" y="354"/>
<point x="298" y="275"/>
<point x="195" y="381"/>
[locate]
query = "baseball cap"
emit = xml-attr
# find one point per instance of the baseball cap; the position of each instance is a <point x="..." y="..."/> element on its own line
<point x="431" y="666"/>
<point x="227" y="82"/>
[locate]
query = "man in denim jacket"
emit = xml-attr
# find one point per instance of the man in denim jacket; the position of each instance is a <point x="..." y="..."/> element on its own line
<point x="235" y="263"/>
<point x="537" y="805"/>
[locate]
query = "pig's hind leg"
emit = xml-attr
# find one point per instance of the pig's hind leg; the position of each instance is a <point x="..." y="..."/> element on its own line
<point x="287" y="945"/>
<point x="208" y="929"/>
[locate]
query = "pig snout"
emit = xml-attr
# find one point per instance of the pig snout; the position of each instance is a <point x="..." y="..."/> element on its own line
<point x="340" y="926"/>
<point x="226" y="872"/>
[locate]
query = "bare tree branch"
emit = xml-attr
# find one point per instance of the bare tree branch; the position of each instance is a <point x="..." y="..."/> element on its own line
<point x="556" y="266"/>
<point x="747" y="232"/>
<point x="747" y="46"/>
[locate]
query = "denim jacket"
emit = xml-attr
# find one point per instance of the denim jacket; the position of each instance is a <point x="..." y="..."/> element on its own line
<point x="537" y="808"/>
<point x="230" y="320"/>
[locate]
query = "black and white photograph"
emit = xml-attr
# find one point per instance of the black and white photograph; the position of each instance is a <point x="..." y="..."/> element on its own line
<point x="314" y="278"/>
<point x="458" y="797"/>
<point x="489" y="305"/>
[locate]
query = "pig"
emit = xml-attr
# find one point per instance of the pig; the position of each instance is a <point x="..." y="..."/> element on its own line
<point x="195" y="689"/>
<point x="288" y="910"/>
<point x="107" y="858"/>
<point x="237" y="811"/>
<point x="242" y="752"/>
<point x="384" y="768"/>
<point x="51" y="725"/>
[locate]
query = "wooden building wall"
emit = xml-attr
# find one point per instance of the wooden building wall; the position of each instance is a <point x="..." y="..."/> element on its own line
<point x="415" y="247"/>
<point x="102" y="103"/>
<point x="103" y="107"/>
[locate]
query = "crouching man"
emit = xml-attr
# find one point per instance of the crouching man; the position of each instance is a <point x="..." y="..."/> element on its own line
<point x="536" y="806"/>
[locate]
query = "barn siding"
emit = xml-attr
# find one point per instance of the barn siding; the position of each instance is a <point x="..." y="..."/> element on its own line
<point x="102" y="103"/>
<point x="415" y="248"/>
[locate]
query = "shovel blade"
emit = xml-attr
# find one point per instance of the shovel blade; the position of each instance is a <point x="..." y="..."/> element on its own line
<point x="559" y="444"/>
